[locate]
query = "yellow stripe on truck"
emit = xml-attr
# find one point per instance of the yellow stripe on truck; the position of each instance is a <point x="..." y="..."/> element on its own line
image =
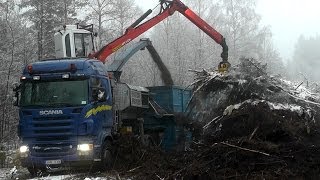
<point x="94" y="111"/>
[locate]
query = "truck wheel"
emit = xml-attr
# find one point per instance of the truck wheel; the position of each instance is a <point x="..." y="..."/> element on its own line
<point x="106" y="156"/>
<point x="149" y="142"/>
<point x="35" y="171"/>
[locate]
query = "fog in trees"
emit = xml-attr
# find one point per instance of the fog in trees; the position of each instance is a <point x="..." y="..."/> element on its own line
<point x="305" y="63"/>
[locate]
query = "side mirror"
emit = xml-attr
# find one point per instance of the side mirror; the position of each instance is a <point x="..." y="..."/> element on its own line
<point x="15" y="101"/>
<point x="99" y="94"/>
<point x="16" y="89"/>
<point x="15" y="86"/>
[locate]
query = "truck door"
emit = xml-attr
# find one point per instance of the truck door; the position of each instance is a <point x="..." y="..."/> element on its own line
<point x="102" y="108"/>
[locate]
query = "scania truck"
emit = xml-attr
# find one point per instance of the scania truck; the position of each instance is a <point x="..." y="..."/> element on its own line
<point x="70" y="110"/>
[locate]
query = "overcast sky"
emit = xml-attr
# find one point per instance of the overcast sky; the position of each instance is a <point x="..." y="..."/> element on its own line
<point x="288" y="20"/>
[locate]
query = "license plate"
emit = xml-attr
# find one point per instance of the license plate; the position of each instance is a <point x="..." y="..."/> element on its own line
<point x="50" y="162"/>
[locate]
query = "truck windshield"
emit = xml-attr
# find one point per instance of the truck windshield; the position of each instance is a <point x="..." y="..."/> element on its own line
<point x="54" y="93"/>
<point x="83" y="44"/>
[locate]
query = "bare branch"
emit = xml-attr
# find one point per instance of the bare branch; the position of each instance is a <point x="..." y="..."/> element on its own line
<point x="245" y="149"/>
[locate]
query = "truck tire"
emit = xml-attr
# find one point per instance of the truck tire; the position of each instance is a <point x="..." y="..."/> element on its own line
<point x="106" y="156"/>
<point x="148" y="140"/>
<point x="35" y="171"/>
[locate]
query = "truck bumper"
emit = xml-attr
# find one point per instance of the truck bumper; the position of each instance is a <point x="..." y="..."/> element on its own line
<point x="73" y="160"/>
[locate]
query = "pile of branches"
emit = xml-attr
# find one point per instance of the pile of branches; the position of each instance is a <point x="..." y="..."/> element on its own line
<point x="256" y="125"/>
<point x="247" y="125"/>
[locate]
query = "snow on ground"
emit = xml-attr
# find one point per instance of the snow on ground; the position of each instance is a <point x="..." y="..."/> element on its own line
<point x="301" y="91"/>
<point x="272" y="106"/>
<point x="23" y="174"/>
<point x="4" y="172"/>
<point x="60" y="177"/>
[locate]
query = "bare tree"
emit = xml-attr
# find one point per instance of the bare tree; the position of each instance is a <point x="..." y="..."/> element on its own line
<point x="12" y="51"/>
<point x="126" y="12"/>
<point x="306" y="59"/>
<point x="100" y="12"/>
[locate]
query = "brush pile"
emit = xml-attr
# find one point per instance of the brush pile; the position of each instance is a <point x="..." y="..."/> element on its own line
<point x="252" y="126"/>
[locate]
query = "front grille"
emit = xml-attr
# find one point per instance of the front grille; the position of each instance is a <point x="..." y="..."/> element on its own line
<point x="52" y="118"/>
<point x="59" y="149"/>
<point x="64" y="138"/>
<point x="52" y="124"/>
<point x="54" y="136"/>
<point x="51" y="131"/>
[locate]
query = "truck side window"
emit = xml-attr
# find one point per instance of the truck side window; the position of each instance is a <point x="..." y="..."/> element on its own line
<point x="99" y="87"/>
<point x="95" y="82"/>
<point x="67" y="43"/>
<point x="95" y="86"/>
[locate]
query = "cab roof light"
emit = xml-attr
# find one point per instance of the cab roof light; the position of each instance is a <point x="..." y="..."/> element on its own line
<point x="110" y="75"/>
<point x="73" y="67"/>
<point x="65" y="76"/>
<point x="36" y="78"/>
<point x="29" y="67"/>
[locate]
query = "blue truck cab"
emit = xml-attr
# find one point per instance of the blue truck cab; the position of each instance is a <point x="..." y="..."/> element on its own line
<point x="65" y="110"/>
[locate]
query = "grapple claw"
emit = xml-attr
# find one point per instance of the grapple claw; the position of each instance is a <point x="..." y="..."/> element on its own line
<point x="223" y="66"/>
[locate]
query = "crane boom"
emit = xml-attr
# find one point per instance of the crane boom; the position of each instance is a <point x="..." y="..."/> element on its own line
<point x="167" y="9"/>
<point x="115" y="68"/>
<point x="130" y="34"/>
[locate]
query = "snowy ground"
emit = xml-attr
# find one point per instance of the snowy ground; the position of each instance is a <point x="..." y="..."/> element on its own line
<point x="23" y="174"/>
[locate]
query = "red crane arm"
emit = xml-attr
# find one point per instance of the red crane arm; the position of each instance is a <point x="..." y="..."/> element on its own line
<point x="205" y="27"/>
<point x="130" y="34"/>
<point x="167" y="9"/>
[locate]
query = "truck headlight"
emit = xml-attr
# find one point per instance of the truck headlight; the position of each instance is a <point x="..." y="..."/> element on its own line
<point x="24" y="149"/>
<point x="37" y="78"/>
<point x="85" y="147"/>
<point x="65" y="76"/>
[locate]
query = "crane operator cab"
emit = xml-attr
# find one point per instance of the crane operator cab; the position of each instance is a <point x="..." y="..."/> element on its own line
<point x="74" y="41"/>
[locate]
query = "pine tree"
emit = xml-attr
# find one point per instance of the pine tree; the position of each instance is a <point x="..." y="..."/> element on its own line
<point x="306" y="59"/>
<point x="46" y="16"/>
